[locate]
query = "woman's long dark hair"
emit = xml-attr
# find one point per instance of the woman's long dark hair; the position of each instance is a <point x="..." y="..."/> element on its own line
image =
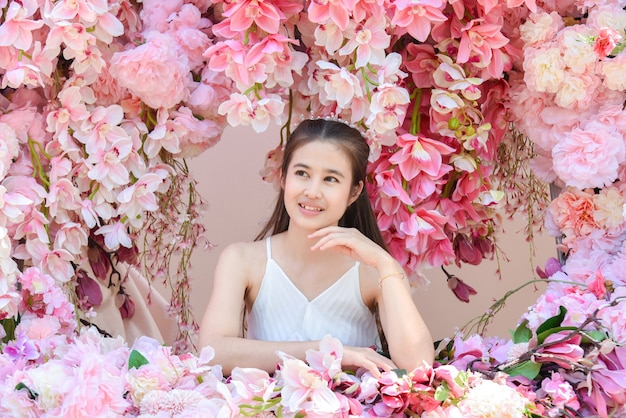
<point x="359" y="214"/>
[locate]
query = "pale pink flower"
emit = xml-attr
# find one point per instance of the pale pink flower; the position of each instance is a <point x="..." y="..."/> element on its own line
<point x="139" y="197"/>
<point x="336" y="11"/>
<point x="612" y="72"/>
<point x="17" y="27"/>
<point x="200" y="134"/>
<point x="543" y="69"/>
<point x="238" y="110"/>
<point x="63" y="198"/>
<point x="165" y="135"/>
<point x="171" y="402"/>
<point x="541" y="27"/>
<point x="101" y="128"/>
<point x="451" y="76"/>
<point x="250" y="383"/>
<point x="577" y="91"/>
<point x="418" y="17"/>
<point x="228" y="56"/>
<point x="107" y="167"/>
<point x="367" y="40"/>
<point x="388" y="108"/>
<point x="58" y="264"/>
<point x="243" y="13"/>
<point x="389" y="71"/>
<point x="445" y="102"/>
<point x="489" y="399"/>
<point x="266" y="110"/>
<point x="72" y="237"/>
<point x="339" y="85"/>
<point x="272" y="167"/>
<point x="329" y="36"/>
<point x="153" y="71"/>
<point x="115" y="234"/>
<point x="305" y="389"/>
<point x="610" y="208"/>
<point x="280" y="59"/>
<point x="589" y="156"/>
<point x="576" y="54"/>
<point x="73" y="34"/>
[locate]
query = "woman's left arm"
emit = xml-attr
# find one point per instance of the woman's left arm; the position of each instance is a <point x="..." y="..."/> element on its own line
<point x="409" y="340"/>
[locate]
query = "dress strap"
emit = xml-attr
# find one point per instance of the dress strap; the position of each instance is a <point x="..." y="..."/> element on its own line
<point x="268" y="245"/>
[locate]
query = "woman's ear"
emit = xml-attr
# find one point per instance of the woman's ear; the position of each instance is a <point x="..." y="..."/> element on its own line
<point x="356" y="192"/>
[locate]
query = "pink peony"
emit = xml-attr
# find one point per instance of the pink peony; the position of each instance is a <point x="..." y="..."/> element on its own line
<point x="153" y="71"/>
<point x="589" y="156"/>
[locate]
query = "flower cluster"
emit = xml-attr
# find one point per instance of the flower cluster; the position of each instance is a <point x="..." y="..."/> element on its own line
<point x="149" y="380"/>
<point x="573" y="86"/>
<point x="423" y="81"/>
<point x="100" y="103"/>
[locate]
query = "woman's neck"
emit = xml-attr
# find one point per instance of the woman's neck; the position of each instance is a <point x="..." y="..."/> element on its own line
<point x="298" y="246"/>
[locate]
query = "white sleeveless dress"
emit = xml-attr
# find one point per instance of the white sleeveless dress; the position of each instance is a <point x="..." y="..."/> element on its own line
<point x="282" y="313"/>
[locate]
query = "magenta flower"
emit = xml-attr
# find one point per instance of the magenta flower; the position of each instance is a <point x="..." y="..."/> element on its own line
<point x="21" y="348"/>
<point x="87" y="290"/>
<point x="127" y="308"/>
<point x="461" y="290"/>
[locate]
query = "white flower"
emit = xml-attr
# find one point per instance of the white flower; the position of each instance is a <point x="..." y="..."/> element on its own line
<point x="491" y="400"/>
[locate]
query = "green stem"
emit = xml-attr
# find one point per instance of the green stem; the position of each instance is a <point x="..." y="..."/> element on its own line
<point x="416" y="117"/>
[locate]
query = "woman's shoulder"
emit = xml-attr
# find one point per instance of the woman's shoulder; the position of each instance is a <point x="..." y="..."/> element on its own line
<point x="244" y="252"/>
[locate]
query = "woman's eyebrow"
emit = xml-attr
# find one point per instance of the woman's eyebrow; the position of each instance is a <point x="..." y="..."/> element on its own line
<point x="327" y="170"/>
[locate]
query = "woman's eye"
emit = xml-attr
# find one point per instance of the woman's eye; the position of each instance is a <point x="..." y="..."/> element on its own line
<point x="331" y="179"/>
<point x="300" y="173"/>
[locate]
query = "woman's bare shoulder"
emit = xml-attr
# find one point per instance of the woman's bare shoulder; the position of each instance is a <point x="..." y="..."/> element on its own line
<point x="244" y="250"/>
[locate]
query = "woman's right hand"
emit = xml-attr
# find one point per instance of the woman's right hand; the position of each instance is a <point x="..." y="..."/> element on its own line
<point x="367" y="358"/>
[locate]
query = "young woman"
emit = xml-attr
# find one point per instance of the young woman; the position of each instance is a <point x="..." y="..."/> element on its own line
<point x="321" y="269"/>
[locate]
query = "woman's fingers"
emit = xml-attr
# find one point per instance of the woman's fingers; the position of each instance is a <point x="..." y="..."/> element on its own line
<point x="368" y="359"/>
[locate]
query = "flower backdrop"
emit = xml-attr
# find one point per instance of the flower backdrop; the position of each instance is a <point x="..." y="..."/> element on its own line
<point x="102" y="102"/>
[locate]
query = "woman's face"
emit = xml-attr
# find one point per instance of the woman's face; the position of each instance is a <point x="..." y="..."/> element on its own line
<point x="318" y="185"/>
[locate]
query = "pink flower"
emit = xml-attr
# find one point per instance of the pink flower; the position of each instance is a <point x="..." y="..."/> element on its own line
<point x="87" y="290"/>
<point x="419" y="154"/>
<point x="417" y="18"/>
<point x="606" y="41"/>
<point x="339" y="85"/>
<point x="479" y="43"/>
<point x="244" y="13"/>
<point x="272" y="167"/>
<point x="564" y="353"/>
<point x="16" y="28"/>
<point x="560" y="392"/>
<point x="153" y="71"/>
<point x="115" y="234"/>
<point x="589" y="156"/>
<point x="305" y="389"/>
<point x="461" y="290"/>
<point x="388" y="108"/>
<point x="336" y="11"/>
<point x="72" y="237"/>
<point x="368" y="40"/>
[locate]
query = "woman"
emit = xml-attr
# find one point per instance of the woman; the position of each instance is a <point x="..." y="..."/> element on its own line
<point x="321" y="269"/>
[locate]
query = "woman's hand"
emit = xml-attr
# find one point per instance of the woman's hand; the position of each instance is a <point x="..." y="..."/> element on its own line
<point x="353" y="243"/>
<point x="367" y="358"/>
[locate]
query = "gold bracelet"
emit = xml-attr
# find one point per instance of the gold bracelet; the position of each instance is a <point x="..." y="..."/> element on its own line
<point x="399" y="274"/>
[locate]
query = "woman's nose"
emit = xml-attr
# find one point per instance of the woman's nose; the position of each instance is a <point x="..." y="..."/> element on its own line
<point x="312" y="190"/>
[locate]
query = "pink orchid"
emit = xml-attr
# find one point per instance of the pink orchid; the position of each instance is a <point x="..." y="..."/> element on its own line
<point x="72" y="237"/>
<point x="36" y="227"/>
<point x="305" y="389"/>
<point x="63" y="197"/>
<point x="388" y="108"/>
<point x="329" y="36"/>
<point x="243" y="13"/>
<point x="479" y="39"/>
<point x="417" y="17"/>
<point x="16" y="28"/>
<point x="419" y="154"/>
<point x="266" y="110"/>
<point x="250" y="383"/>
<point x="339" y="85"/>
<point x="115" y="234"/>
<point x="58" y="264"/>
<point x="421" y="62"/>
<point x="367" y="40"/>
<point x="238" y="110"/>
<point x="101" y="128"/>
<point x="73" y="34"/>
<point x="564" y="353"/>
<point x="336" y="11"/>
<point x="390" y="184"/>
<point x="326" y="360"/>
<point x="87" y="11"/>
<point x="139" y="197"/>
<point x="107" y="166"/>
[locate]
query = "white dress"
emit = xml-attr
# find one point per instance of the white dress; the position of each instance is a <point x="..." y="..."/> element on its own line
<point x="282" y="313"/>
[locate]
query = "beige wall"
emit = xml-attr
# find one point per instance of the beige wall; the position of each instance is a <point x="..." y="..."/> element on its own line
<point x="239" y="201"/>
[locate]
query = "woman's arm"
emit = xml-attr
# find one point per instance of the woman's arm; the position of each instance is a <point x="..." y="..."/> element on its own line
<point x="221" y="323"/>
<point x="408" y="337"/>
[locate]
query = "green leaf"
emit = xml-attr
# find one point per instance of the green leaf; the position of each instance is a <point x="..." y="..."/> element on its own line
<point x="522" y="334"/>
<point x="593" y="335"/>
<point x="553" y="322"/>
<point x="528" y="369"/>
<point x="542" y="337"/>
<point x="31" y="394"/>
<point x="400" y="372"/>
<point x="442" y="392"/>
<point x="136" y="360"/>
